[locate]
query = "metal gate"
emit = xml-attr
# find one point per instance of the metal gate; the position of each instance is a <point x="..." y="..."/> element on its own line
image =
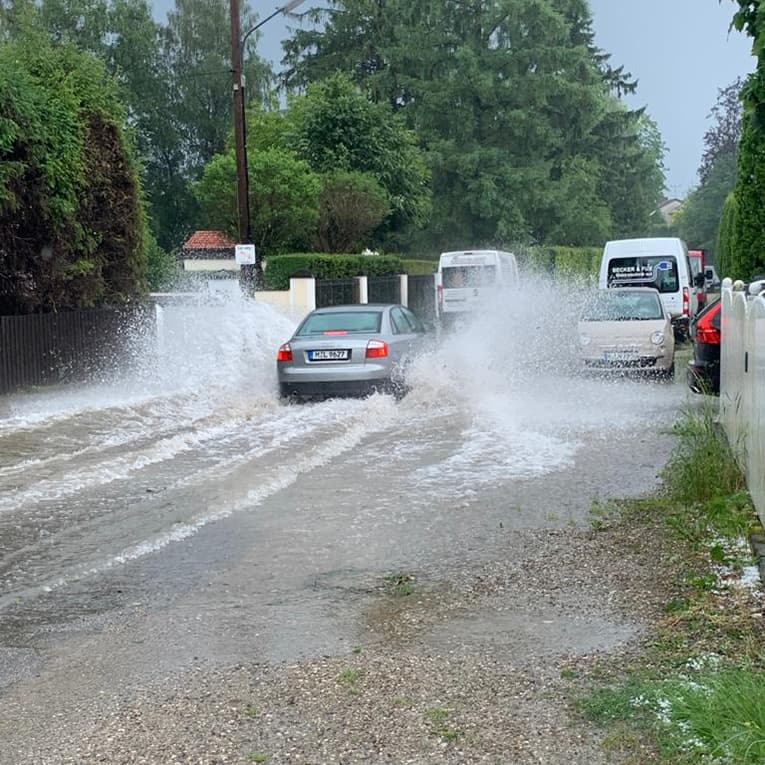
<point x="331" y="292"/>
<point x="384" y="289"/>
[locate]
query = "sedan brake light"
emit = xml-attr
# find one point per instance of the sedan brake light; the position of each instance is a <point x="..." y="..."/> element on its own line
<point x="377" y="349"/>
<point x="284" y="353"/>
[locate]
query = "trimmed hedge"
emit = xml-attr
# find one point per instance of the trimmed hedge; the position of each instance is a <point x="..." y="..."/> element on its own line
<point x="420" y="267"/>
<point x="279" y="268"/>
<point x="568" y="263"/>
<point x="562" y="262"/>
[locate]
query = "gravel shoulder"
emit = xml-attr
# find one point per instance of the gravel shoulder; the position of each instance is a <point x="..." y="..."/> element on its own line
<point x="480" y="668"/>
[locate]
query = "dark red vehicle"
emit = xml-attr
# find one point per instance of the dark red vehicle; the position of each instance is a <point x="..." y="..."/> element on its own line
<point x="706" y="336"/>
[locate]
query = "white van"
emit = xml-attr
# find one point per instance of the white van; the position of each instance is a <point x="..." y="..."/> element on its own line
<point x="467" y="276"/>
<point x="660" y="262"/>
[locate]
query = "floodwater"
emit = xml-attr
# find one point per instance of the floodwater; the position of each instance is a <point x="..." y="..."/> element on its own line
<point x="184" y="498"/>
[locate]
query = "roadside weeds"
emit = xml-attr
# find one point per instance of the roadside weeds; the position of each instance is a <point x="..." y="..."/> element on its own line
<point x="693" y="693"/>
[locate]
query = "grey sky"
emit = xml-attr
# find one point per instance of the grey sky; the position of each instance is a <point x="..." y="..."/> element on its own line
<point x="679" y="50"/>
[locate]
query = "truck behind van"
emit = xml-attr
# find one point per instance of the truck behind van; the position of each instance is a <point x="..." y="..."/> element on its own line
<point x="659" y="262"/>
<point x="467" y="277"/>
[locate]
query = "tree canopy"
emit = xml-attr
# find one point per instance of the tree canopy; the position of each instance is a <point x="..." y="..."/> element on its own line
<point x="514" y="105"/>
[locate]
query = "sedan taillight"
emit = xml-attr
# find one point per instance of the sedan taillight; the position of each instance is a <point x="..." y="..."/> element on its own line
<point x="377" y="349"/>
<point x="706" y="331"/>
<point x="284" y="353"/>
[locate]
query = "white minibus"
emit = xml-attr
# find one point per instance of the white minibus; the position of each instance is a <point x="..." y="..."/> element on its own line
<point x="467" y="277"/>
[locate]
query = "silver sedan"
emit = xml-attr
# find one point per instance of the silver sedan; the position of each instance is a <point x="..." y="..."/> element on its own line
<point x="349" y="350"/>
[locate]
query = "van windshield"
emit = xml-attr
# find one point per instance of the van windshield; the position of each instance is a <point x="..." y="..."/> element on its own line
<point x="467" y="276"/>
<point x="659" y="272"/>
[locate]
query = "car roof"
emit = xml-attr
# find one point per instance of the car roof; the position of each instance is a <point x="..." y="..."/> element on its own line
<point x="630" y="289"/>
<point x="354" y="307"/>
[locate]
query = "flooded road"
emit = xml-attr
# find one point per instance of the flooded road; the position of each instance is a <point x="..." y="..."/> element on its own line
<point x="183" y="514"/>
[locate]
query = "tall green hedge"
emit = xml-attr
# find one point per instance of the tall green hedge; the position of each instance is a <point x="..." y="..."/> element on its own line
<point x="580" y="263"/>
<point x="279" y="268"/>
<point x="726" y="237"/>
<point x="71" y="216"/>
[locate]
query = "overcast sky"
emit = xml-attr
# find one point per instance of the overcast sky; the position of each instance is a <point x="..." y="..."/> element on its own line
<point x="680" y="51"/>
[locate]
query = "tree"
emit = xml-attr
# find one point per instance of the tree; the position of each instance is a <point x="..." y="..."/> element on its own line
<point x="71" y="219"/>
<point x="722" y="138"/>
<point x="507" y="98"/>
<point x="747" y="256"/>
<point x="284" y="198"/>
<point x="351" y="206"/>
<point x="334" y="127"/>
<point x="700" y="216"/>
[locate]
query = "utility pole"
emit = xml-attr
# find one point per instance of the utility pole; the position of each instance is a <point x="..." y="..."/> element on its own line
<point x="248" y="273"/>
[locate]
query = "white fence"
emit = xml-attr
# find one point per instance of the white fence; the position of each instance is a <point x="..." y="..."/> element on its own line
<point x="742" y="385"/>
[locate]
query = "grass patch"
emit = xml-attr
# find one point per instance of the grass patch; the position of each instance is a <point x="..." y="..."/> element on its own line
<point x="438" y="722"/>
<point x="697" y="693"/>
<point x="350" y="678"/>
<point x="399" y="585"/>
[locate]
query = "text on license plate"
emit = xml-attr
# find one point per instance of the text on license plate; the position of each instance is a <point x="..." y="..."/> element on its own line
<point x="621" y="356"/>
<point x="330" y="355"/>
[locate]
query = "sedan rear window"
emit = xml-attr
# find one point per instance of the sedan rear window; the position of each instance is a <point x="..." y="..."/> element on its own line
<point x="613" y="305"/>
<point x="339" y="321"/>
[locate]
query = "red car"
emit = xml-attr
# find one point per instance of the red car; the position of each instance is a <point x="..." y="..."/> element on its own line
<point x="706" y="336"/>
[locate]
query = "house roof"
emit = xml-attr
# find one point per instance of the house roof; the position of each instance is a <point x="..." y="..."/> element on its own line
<point x="208" y="240"/>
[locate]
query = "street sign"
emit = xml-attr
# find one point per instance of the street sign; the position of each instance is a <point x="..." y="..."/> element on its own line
<point x="245" y="254"/>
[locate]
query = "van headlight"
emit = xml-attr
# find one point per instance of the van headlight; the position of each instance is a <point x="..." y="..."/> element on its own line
<point x="657" y="338"/>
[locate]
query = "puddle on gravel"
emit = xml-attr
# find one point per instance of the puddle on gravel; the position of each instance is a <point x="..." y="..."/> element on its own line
<point x="537" y="633"/>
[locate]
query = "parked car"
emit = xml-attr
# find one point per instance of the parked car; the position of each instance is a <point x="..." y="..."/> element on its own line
<point x="349" y="350"/>
<point x="706" y="336"/>
<point x="627" y="330"/>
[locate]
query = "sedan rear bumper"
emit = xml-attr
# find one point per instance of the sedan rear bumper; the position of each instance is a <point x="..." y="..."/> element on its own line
<point x="334" y="388"/>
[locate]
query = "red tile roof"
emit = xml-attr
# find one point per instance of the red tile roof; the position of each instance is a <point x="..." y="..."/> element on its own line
<point x="207" y="240"/>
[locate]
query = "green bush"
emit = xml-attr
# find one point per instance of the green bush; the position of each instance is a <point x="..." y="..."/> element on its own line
<point x="419" y="267"/>
<point x="562" y="262"/>
<point x="580" y="263"/>
<point x="279" y="268"/>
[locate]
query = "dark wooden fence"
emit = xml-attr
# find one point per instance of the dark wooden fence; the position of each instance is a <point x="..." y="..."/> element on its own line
<point x="73" y="346"/>
<point x="331" y="292"/>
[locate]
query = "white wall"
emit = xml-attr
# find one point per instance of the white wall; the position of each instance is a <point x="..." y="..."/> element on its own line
<point x="742" y="385"/>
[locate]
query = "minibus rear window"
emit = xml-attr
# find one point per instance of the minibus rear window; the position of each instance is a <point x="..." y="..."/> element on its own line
<point x="453" y="277"/>
<point x="659" y="272"/>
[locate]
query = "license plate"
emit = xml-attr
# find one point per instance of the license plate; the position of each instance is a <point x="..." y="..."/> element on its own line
<point x="620" y="356"/>
<point x="329" y="355"/>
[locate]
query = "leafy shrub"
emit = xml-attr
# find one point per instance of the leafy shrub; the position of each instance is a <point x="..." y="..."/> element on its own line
<point x="419" y="267"/>
<point x="280" y="268"/>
